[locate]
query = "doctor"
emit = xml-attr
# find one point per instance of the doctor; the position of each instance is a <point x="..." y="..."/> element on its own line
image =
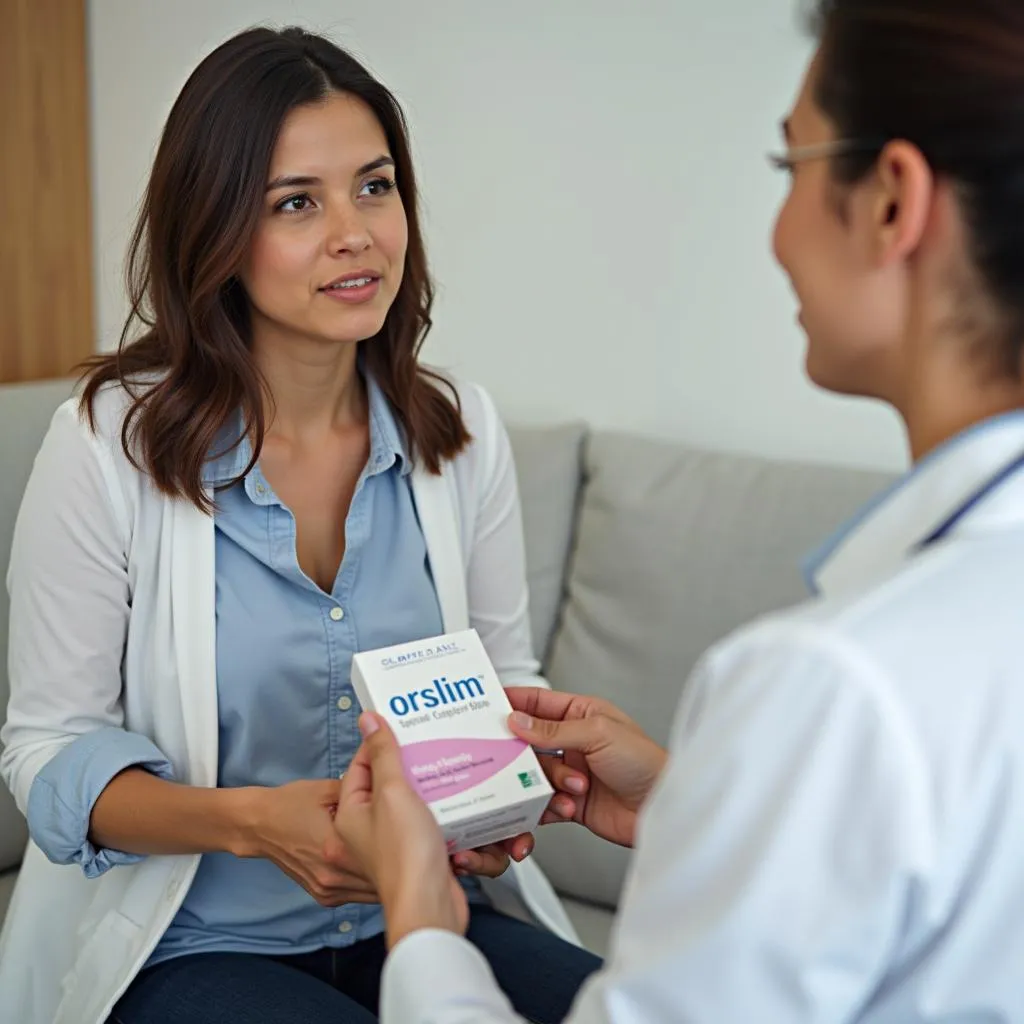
<point x="836" y="833"/>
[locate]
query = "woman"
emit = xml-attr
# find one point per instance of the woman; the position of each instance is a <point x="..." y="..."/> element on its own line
<point x="836" y="834"/>
<point x="261" y="484"/>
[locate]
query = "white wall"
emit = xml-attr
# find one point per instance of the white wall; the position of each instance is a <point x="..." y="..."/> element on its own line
<point x="598" y="207"/>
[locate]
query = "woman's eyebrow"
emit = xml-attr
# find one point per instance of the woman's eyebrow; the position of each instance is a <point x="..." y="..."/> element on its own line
<point x="307" y="181"/>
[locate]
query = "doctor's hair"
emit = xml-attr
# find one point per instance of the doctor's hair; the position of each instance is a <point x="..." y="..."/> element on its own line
<point x="948" y="77"/>
<point x="185" y="356"/>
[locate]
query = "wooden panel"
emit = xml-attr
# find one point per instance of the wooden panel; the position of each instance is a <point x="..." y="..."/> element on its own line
<point x="46" y="286"/>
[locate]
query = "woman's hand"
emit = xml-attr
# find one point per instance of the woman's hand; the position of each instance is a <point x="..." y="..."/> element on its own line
<point x="610" y="763"/>
<point x="392" y="835"/>
<point x="293" y="826"/>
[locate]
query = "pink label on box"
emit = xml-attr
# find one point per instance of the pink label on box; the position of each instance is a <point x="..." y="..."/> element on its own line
<point x="443" y="768"/>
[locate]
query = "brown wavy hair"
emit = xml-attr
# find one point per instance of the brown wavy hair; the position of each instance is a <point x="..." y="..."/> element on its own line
<point x="191" y="369"/>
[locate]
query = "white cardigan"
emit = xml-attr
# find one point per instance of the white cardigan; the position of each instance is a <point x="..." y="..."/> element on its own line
<point x="112" y="624"/>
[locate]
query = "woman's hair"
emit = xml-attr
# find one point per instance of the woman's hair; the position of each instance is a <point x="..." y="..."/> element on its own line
<point x="948" y="77"/>
<point x="191" y="368"/>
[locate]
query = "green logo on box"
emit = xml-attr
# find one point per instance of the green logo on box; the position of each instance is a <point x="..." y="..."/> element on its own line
<point x="526" y="779"/>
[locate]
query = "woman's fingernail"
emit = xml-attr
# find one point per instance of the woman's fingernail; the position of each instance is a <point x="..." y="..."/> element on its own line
<point x="524" y="721"/>
<point x="368" y="725"/>
<point x="575" y="784"/>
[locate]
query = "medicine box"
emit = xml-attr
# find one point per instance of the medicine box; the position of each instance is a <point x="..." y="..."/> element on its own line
<point x="446" y="705"/>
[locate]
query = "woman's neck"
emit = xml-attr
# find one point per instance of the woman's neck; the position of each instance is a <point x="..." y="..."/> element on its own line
<point x="315" y="388"/>
<point x="949" y="397"/>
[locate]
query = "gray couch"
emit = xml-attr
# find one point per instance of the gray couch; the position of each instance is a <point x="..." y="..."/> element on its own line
<point x="640" y="554"/>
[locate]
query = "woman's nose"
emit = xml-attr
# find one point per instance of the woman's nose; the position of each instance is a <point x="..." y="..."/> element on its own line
<point x="347" y="231"/>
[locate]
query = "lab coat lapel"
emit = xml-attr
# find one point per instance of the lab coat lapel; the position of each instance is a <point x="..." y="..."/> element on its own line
<point x="877" y="543"/>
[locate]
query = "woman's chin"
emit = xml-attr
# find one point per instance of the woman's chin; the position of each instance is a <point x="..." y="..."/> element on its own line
<point x="819" y="373"/>
<point x="349" y="332"/>
<point x="360" y="325"/>
<point x="831" y="380"/>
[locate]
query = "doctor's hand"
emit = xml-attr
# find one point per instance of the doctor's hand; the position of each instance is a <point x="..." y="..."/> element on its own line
<point x="393" y="837"/>
<point x="293" y="826"/>
<point x="609" y="766"/>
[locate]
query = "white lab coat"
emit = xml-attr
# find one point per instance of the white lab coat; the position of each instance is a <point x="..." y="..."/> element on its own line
<point x="112" y="624"/>
<point x="839" y="834"/>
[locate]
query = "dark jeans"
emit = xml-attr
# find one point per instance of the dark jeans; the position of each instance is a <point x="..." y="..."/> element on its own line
<point x="538" y="971"/>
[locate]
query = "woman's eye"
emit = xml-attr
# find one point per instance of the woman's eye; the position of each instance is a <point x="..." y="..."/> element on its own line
<point x="295" y="204"/>
<point x="378" y="187"/>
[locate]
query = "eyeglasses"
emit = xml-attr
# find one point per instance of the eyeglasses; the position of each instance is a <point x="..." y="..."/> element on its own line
<point x="820" y="150"/>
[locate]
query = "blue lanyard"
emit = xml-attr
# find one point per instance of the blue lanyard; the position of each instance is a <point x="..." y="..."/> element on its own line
<point x="998" y="480"/>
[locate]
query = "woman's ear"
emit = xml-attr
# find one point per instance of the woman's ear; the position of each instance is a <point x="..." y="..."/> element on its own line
<point x="904" y="193"/>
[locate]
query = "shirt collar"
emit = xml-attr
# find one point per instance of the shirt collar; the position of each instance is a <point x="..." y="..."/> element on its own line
<point x="387" y="442"/>
<point x="226" y="463"/>
<point x="889" y="530"/>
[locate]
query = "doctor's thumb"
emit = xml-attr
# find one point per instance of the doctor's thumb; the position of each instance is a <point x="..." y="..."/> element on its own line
<point x="380" y="745"/>
<point x="578" y="734"/>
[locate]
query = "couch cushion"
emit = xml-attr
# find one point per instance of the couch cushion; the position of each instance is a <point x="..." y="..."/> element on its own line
<point x="593" y="925"/>
<point x="675" y="548"/>
<point x="549" y="465"/>
<point x="25" y="413"/>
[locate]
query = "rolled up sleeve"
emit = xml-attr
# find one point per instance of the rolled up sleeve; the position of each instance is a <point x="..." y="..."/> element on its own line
<point x="63" y="794"/>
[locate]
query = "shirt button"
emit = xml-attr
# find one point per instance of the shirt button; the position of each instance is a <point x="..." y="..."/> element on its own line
<point x="344" y="703"/>
<point x="337" y="614"/>
<point x="260" y="489"/>
<point x="345" y="927"/>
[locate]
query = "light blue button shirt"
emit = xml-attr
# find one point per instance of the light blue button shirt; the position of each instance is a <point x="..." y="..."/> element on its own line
<point x="287" y="710"/>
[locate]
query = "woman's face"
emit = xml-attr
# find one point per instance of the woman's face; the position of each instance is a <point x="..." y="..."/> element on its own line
<point x="827" y="240"/>
<point x="327" y="258"/>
